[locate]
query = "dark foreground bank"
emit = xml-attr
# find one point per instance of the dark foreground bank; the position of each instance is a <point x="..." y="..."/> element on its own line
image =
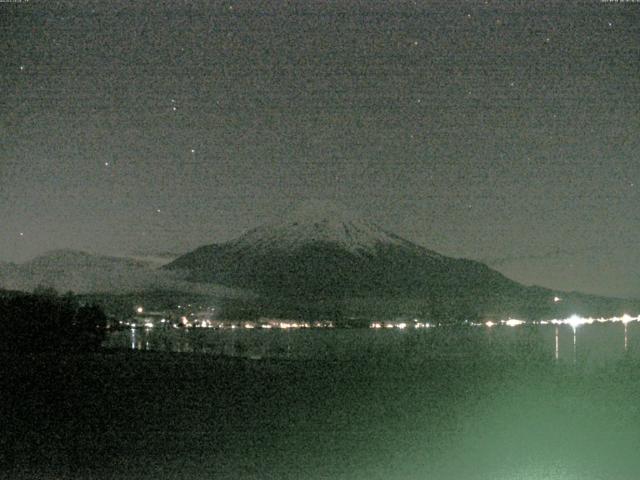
<point x="480" y="415"/>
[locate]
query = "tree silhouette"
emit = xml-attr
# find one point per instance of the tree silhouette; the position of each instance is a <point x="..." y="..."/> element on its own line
<point x="45" y="321"/>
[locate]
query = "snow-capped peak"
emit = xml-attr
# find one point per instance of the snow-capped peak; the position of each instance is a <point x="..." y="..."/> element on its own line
<point x="319" y="221"/>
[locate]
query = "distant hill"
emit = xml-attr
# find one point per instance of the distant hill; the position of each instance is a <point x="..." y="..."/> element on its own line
<point x="84" y="272"/>
<point x="323" y="260"/>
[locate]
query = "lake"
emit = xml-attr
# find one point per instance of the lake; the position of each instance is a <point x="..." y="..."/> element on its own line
<point x="446" y="403"/>
<point x="590" y="345"/>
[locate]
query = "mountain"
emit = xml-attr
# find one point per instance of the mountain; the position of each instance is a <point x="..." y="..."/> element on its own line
<point x="321" y="257"/>
<point x="84" y="272"/>
<point x="329" y="252"/>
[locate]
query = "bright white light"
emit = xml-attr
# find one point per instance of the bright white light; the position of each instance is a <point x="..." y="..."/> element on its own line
<point x="556" y="299"/>
<point x="148" y="325"/>
<point x="375" y="325"/>
<point x="402" y="326"/>
<point x="575" y="321"/>
<point x="512" y="322"/>
<point x="489" y="323"/>
<point x="139" y="309"/>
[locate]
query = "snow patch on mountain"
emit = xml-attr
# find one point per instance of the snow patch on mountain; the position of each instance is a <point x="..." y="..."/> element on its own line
<point x="320" y="221"/>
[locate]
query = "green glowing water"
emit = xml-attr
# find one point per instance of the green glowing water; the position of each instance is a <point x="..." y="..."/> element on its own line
<point x="447" y="405"/>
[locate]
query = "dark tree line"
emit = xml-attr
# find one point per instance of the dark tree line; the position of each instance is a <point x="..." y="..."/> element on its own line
<point x="46" y="321"/>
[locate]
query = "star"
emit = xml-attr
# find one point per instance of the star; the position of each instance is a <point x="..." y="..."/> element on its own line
<point x="22" y="68"/>
<point x="415" y="43"/>
<point x="193" y="150"/>
<point x="22" y="234"/>
<point x="174" y="108"/>
<point x="158" y="210"/>
<point x="610" y="24"/>
<point x="106" y="164"/>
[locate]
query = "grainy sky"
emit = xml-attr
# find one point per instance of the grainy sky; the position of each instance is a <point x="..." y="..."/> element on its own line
<point x="501" y="131"/>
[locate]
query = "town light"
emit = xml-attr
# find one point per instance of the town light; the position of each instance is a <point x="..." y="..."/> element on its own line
<point x="575" y="321"/>
<point x="512" y="322"/>
<point x="626" y="318"/>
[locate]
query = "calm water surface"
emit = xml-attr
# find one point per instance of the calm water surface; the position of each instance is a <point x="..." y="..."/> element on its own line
<point x="473" y="403"/>
<point x="589" y="345"/>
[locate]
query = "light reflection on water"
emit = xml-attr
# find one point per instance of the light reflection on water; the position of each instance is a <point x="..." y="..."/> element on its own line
<point x="587" y="344"/>
<point x="470" y="416"/>
<point x="455" y="421"/>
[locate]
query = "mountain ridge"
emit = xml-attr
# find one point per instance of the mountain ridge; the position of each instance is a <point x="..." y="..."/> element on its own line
<point x="317" y="258"/>
<point x="327" y="263"/>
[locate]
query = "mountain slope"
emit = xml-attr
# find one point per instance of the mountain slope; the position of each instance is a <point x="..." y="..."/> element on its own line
<point x="323" y="223"/>
<point x="322" y="261"/>
<point x="326" y="254"/>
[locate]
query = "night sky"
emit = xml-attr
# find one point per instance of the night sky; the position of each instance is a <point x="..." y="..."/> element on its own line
<point x="506" y="132"/>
